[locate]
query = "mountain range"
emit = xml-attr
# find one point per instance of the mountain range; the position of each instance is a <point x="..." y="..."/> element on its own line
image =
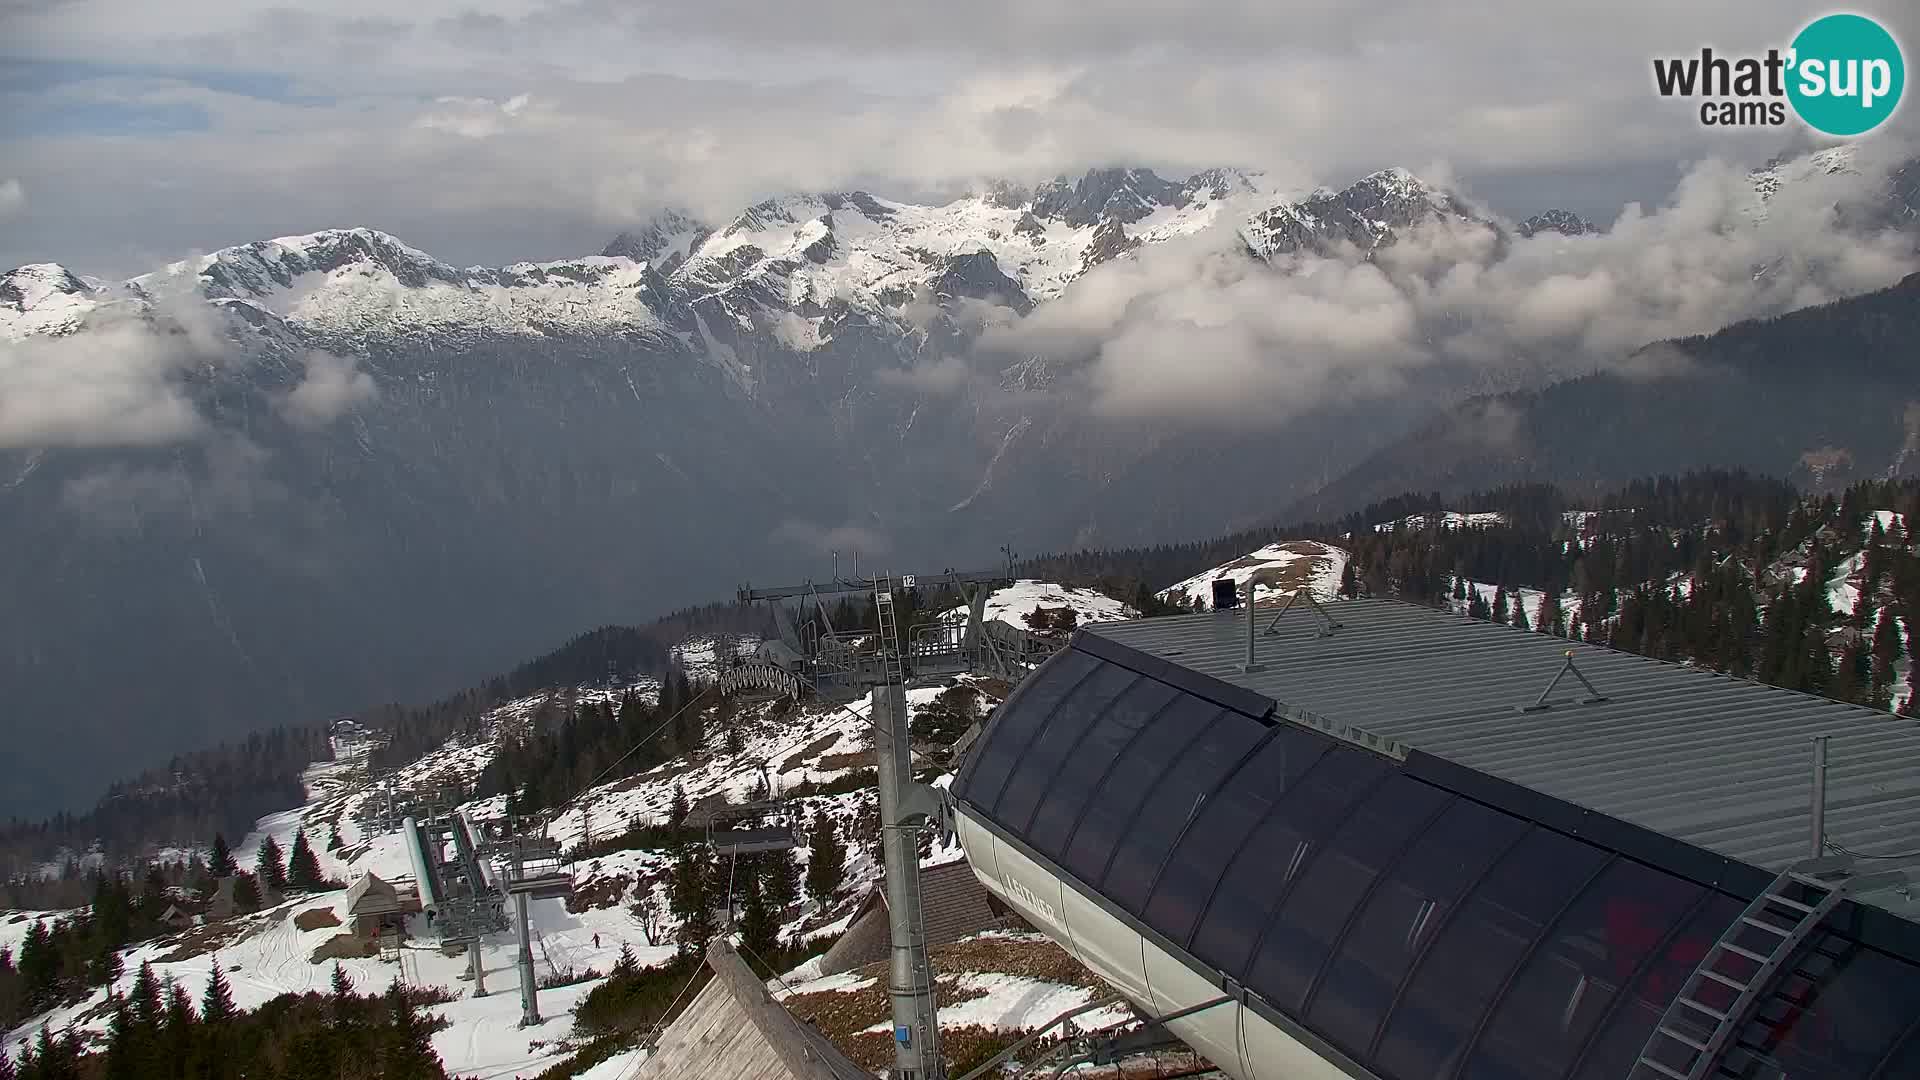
<point x="289" y="479"/>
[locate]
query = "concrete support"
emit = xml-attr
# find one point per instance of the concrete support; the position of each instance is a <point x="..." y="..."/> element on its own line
<point x="479" y="970"/>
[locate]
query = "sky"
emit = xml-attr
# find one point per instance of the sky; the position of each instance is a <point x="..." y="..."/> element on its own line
<point x="489" y="131"/>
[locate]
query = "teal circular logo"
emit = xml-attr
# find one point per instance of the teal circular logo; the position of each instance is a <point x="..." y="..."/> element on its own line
<point x="1846" y="74"/>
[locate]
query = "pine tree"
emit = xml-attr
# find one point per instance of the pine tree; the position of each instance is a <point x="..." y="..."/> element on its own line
<point x="303" y="866"/>
<point x="626" y="966"/>
<point x="826" y="860"/>
<point x="1459" y="587"/>
<point x="122" y="1058"/>
<point x="408" y="1050"/>
<point x="270" y="867"/>
<point x="1477" y="607"/>
<point x="677" y="812"/>
<point x="221" y="864"/>
<point x="1499" y="613"/>
<point x="6" y="1066"/>
<point x="342" y="988"/>
<point x="782" y="885"/>
<point x="1349" y="584"/>
<point x="216" y="1005"/>
<point x="1520" y="612"/>
<point x="1886" y="653"/>
<point x="246" y="894"/>
<point x="759" y="927"/>
<point x="147" y="1002"/>
<point x="334" y="843"/>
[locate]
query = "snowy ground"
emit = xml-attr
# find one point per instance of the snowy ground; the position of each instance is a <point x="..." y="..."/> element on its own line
<point x="1012" y="604"/>
<point x="1276" y="570"/>
<point x="266" y="955"/>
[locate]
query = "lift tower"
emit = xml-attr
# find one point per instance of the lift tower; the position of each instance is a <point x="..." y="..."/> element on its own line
<point x="838" y="668"/>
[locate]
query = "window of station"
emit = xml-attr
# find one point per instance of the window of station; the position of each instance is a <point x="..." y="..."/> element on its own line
<point x="1572" y="979"/>
<point x="1858" y="1012"/>
<point x="1623" y="1035"/>
<point x="1478" y="950"/>
<point x="1203" y="853"/>
<point x="1120" y="792"/>
<point x="1079" y="777"/>
<point x="1334" y="884"/>
<point x="1034" y="769"/>
<point x="1402" y="917"/>
<point x="1015" y="723"/>
<point x="1173" y="801"/>
<point x="1257" y="878"/>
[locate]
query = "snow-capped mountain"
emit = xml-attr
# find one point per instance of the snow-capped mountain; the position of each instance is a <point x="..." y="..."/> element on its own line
<point x="1565" y="222"/>
<point x="1371" y="214"/>
<point x="443" y="467"/>
<point x="43" y="298"/>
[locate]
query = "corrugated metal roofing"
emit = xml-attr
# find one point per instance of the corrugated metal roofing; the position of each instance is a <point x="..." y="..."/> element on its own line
<point x="1718" y="762"/>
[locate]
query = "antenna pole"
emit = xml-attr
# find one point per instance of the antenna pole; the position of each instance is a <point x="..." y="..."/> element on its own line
<point x="1818" y="839"/>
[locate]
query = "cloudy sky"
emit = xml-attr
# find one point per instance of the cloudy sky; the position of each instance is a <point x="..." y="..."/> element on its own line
<point x="133" y="132"/>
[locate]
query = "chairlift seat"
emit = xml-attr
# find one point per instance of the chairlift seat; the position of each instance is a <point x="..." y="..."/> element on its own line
<point x="752" y="841"/>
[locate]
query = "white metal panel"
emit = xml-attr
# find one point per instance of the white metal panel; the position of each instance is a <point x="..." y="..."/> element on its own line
<point x="1174" y="986"/>
<point x="1272" y="1054"/>
<point x="1106" y="945"/>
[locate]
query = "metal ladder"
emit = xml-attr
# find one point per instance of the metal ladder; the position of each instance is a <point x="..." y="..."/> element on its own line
<point x="890" y="666"/>
<point x="1774" y="925"/>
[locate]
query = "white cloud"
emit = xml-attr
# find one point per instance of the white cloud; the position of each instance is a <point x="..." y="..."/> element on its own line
<point x="120" y="383"/>
<point x="331" y="387"/>
<point x="1197" y="330"/>
<point x="611" y="111"/>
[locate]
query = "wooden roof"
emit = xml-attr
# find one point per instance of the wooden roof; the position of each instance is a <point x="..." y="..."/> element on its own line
<point x="735" y="1029"/>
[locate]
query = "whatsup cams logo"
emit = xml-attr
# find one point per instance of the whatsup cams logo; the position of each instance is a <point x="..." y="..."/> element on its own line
<point x="1842" y="75"/>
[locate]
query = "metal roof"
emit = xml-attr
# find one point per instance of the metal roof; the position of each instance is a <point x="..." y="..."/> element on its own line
<point x="1722" y="763"/>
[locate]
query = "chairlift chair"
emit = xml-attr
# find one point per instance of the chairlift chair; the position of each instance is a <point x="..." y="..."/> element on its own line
<point x="752" y="827"/>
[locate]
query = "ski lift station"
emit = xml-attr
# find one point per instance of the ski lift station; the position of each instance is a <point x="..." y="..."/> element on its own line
<point x="1380" y="841"/>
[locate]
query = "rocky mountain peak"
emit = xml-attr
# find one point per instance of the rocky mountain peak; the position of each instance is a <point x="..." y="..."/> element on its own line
<point x="664" y="240"/>
<point x="1565" y="222"/>
<point x="1124" y="195"/>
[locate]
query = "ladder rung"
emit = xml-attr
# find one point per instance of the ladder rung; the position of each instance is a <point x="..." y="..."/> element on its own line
<point x="1748" y="953"/>
<point x="1794" y="904"/>
<point x="1662" y="1069"/>
<point x="1771" y="927"/>
<point x="1722" y="979"/>
<point x="1709" y="1010"/>
<point x="1680" y="1038"/>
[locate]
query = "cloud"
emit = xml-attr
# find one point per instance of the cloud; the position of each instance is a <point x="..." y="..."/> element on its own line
<point x="120" y="383"/>
<point x="331" y="386"/>
<point x="221" y="473"/>
<point x="13" y="198"/>
<point x="1195" y="330"/>
<point x="940" y="376"/>
<point x="489" y="131"/>
<point x="847" y="540"/>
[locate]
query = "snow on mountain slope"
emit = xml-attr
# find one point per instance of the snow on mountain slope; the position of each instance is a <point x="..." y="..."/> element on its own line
<point x="355" y="282"/>
<point x="1368" y="215"/>
<point x="42" y="298"/>
<point x="1445" y="519"/>
<point x="799" y="253"/>
<point x="1014" y="603"/>
<point x="1276" y="570"/>
<point x="265" y="954"/>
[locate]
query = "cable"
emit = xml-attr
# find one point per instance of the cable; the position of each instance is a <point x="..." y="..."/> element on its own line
<point x="658" y="728"/>
<point x="1835" y="845"/>
<point x="771" y="970"/>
